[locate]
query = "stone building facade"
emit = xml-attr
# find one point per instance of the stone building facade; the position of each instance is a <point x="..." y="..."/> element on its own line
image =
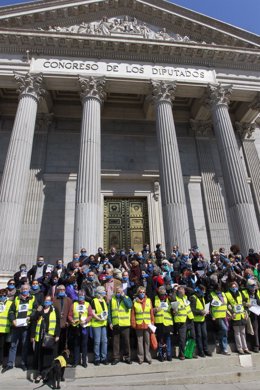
<point x="124" y="122"/>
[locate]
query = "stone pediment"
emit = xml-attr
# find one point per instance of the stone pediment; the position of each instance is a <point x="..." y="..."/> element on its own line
<point x="166" y="21"/>
<point x="120" y="27"/>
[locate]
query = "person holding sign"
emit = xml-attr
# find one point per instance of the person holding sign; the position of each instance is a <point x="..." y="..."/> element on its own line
<point x="235" y="304"/>
<point x="199" y="310"/>
<point x="119" y="318"/>
<point x="164" y="323"/>
<point x="79" y="317"/>
<point x="20" y="314"/>
<point x="219" y="310"/>
<point x="99" y="325"/>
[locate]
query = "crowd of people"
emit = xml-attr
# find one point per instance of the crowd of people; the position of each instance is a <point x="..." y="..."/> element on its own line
<point x="126" y="298"/>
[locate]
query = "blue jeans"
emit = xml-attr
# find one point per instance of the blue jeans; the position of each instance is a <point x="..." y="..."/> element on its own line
<point x="100" y="343"/>
<point x="23" y="335"/>
<point x="222" y="333"/>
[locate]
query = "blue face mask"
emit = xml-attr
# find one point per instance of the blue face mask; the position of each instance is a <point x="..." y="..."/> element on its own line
<point x="185" y="258"/>
<point x="109" y="277"/>
<point x="59" y="265"/>
<point x="11" y="286"/>
<point x="125" y="279"/>
<point x="83" y="253"/>
<point x="118" y="295"/>
<point x="35" y="287"/>
<point x="3" y="298"/>
<point x="25" y="292"/>
<point x="90" y="278"/>
<point x="75" y="259"/>
<point x="233" y="289"/>
<point x="23" y="270"/>
<point x="61" y="294"/>
<point x="103" y="294"/>
<point x="47" y="303"/>
<point x="81" y="298"/>
<point x="141" y="295"/>
<point x="145" y="276"/>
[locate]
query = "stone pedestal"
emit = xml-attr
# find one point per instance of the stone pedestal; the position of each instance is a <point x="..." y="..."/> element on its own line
<point x="15" y="178"/>
<point x="88" y="218"/>
<point x="239" y="197"/>
<point x="175" y="218"/>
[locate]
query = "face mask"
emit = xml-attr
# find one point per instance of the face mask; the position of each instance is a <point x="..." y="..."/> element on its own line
<point x="59" y="265"/>
<point x="122" y="253"/>
<point x="165" y="267"/>
<point x="90" y="278"/>
<point x="11" y="286"/>
<point x="25" y="292"/>
<point x="74" y="285"/>
<point x="145" y="276"/>
<point x="81" y="298"/>
<point x="233" y="289"/>
<point x="23" y="270"/>
<point x="61" y="294"/>
<point x="47" y="303"/>
<point x="3" y="298"/>
<point x="185" y="258"/>
<point x="125" y="279"/>
<point x="103" y="294"/>
<point x="55" y="281"/>
<point x="109" y="277"/>
<point x="40" y="263"/>
<point x="141" y="295"/>
<point x="35" y="287"/>
<point x="118" y="295"/>
<point x="83" y="253"/>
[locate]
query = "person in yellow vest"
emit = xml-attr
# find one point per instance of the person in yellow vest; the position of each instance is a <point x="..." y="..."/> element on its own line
<point x="181" y="313"/>
<point x="163" y="321"/>
<point x="45" y="325"/>
<point x="251" y="297"/>
<point x="141" y="317"/>
<point x="99" y="326"/>
<point x="79" y="317"/>
<point x="198" y="307"/>
<point x="238" y="322"/>
<point x="5" y="305"/>
<point x="219" y="313"/>
<point x="119" y="319"/>
<point x="20" y="315"/>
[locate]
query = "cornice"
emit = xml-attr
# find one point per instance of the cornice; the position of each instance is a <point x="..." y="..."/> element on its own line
<point x="102" y="47"/>
<point x="158" y="12"/>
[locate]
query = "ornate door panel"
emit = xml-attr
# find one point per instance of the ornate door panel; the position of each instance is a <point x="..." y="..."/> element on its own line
<point x="125" y="223"/>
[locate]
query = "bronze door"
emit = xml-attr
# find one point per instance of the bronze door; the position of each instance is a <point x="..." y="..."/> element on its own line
<point x="125" y="223"/>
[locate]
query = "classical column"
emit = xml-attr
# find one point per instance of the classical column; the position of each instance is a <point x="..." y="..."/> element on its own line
<point x="16" y="172"/>
<point x="239" y="197"/>
<point x="88" y="220"/>
<point x="175" y="218"/>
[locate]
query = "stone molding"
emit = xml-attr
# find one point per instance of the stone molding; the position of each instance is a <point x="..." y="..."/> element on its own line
<point x="163" y="91"/>
<point x="219" y="94"/>
<point x="30" y="85"/>
<point x="92" y="87"/>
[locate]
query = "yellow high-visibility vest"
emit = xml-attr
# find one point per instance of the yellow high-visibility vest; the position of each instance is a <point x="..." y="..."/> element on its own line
<point x="52" y="325"/>
<point x="4" y="321"/>
<point x="98" y="310"/>
<point x="19" y="302"/>
<point x="219" y="311"/>
<point x="235" y="304"/>
<point x="163" y="316"/>
<point x="77" y="314"/>
<point x="120" y="314"/>
<point x="181" y="315"/>
<point x="199" y="306"/>
<point x="143" y="315"/>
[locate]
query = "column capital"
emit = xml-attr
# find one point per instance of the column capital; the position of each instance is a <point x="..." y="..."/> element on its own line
<point x="219" y="94"/>
<point x="31" y="85"/>
<point x="163" y="91"/>
<point x="92" y="87"/>
<point x="245" y="130"/>
<point x="201" y="128"/>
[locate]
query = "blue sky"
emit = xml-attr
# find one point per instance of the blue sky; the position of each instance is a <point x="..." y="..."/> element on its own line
<point x="241" y="13"/>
